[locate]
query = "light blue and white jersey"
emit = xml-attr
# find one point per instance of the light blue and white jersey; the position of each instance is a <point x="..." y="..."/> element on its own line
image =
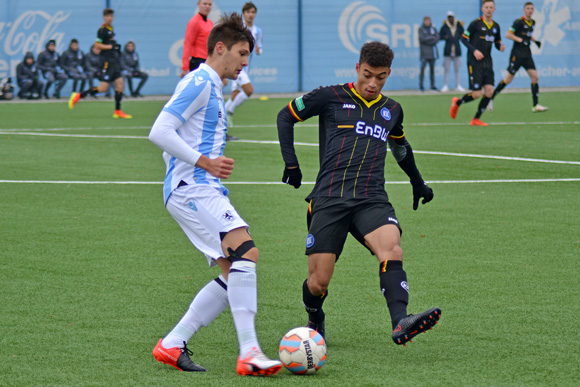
<point x="257" y="34"/>
<point x="199" y="104"/>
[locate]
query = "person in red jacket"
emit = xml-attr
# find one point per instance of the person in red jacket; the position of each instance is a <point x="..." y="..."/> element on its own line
<point x="195" y="44"/>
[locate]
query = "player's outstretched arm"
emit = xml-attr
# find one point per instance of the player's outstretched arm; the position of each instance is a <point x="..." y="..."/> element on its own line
<point x="403" y="154"/>
<point x="292" y="174"/>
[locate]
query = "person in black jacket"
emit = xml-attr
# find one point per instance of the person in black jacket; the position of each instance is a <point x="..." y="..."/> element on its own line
<point x="130" y="68"/>
<point x="27" y="78"/>
<point x="428" y="38"/>
<point x="451" y="33"/>
<point x="72" y="61"/>
<point x="48" y="63"/>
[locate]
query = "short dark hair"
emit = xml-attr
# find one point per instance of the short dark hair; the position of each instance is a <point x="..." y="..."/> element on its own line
<point x="73" y="40"/>
<point x="249" y="5"/>
<point x="376" y="54"/>
<point x="528" y="3"/>
<point x="230" y="30"/>
<point x="108" y="11"/>
<point x="487" y="1"/>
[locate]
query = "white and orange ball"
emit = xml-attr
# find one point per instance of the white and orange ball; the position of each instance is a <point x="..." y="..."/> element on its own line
<point x="303" y="351"/>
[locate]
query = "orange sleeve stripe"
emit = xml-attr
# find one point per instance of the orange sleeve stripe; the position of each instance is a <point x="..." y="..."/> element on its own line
<point x="294" y="113"/>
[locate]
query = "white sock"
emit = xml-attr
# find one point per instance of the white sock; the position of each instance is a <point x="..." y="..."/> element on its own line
<point x="243" y="297"/>
<point x="240" y="99"/>
<point x="207" y="304"/>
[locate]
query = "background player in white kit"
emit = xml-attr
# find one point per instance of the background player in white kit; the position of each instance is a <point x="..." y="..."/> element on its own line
<point x="242" y="87"/>
<point x="191" y="131"/>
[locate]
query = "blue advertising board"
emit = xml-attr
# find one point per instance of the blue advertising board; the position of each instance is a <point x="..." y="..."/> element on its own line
<point x="306" y="44"/>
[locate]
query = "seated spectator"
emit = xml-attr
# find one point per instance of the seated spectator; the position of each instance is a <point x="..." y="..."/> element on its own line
<point x="130" y="68"/>
<point x="72" y="61"/>
<point x="94" y="67"/>
<point x="48" y="63"/>
<point x="27" y="78"/>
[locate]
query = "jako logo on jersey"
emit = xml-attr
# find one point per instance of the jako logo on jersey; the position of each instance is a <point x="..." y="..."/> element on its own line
<point x="386" y="114"/>
<point x="376" y="131"/>
<point x="349" y="106"/>
<point x="309" y="241"/>
<point x="405" y="285"/>
<point x="391" y="219"/>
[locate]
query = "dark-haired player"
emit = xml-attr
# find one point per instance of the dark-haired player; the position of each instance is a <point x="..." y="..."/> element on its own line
<point x="356" y="122"/>
<point x="191" y="130"/>
<point x="110" y="52"/>
<point x="521" y="56"/>
<point x="479" y="37"/>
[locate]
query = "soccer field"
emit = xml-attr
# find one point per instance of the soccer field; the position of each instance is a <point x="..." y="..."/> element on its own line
<point x="93" y="270"/>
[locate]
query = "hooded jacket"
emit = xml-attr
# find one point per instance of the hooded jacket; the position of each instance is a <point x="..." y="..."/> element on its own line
<point x="130" y="60"/>
<point x="451" y="34"/>
<point x="25" y="72"/>
<point x="72" y="61"/>
<point x="428" y="38"/>
<point x="48" y="61"/>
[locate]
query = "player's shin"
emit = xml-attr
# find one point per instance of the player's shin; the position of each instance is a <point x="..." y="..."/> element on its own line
<point x="395" y="288"/>
<point x="482" y="106"/>
<point x="313" y="304"/>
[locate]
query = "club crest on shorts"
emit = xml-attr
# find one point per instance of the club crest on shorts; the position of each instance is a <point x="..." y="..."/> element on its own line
<point x="309" y="241"/>
<point x="405" y="285"/>
<point x="228" y="216"/>
<point x="386" y="114"/>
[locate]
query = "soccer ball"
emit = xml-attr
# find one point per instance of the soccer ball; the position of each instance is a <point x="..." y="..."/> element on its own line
<point x="303" y="351"/>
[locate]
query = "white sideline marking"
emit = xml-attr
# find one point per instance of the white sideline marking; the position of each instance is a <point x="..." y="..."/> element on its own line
<point x="280" y="183"/>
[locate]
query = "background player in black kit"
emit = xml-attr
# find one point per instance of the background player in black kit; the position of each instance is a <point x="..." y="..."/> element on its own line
<point x="355" y="124"/>
<point x="521" y="56"/>
<point x="110" y="52"/>
<point x="480" y="36"/>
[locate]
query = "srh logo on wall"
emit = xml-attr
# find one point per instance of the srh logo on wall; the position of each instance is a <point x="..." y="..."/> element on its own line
<point x="549" y="22"/>
<point x="360" y="23"/>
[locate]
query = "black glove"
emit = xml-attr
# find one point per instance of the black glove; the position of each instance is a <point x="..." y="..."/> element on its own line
<point x="421" y="191"/>
<point x="526" y="40"/>
<point x="538" y="43"/>
<point x="292" y="176"/>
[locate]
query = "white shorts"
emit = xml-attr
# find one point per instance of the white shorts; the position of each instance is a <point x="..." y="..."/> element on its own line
<point x="203" y="213"/>
<point x="243" y="79"/>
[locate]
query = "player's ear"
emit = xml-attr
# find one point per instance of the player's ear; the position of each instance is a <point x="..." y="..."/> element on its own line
<point x="389" y="73"/>
<point x="220" y="48"/>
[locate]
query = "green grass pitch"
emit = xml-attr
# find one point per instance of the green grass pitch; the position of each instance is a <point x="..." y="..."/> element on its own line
<point x="93" y="270"/>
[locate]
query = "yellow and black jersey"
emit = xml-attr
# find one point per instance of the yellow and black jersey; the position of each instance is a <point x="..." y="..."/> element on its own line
<point x="481" y="36"/>
<point x="353" y="136"/>
<point x="106" y="35"/>
<point x="524" y="29"/>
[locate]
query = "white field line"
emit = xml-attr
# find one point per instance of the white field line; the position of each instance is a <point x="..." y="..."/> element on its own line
<point x="309" y="144"/>
<point x="27" y="130"/>
<point x="279" y="183"/>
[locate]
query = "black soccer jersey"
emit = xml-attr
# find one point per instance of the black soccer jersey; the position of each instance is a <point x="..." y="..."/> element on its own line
<point x="106" y="35"/>
<point x="524" y="29"/>
<point x="353" y="139"/>
<point x="481" y="36"/>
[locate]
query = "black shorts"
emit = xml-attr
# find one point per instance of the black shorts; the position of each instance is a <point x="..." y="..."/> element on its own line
<point x="515" y="64"/>
<point x="479" y="76"/>
<point x="195" y="62"/>
<point x="111" y="71"/>
<point x="331" y="219"/>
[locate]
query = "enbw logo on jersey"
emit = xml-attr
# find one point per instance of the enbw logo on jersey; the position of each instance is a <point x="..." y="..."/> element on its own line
<point x="386" y="114"/>
<point x="376" y="131"/>
<point x="309" y="241"/>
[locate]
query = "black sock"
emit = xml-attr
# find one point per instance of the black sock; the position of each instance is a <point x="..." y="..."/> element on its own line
<point x="118" y="98"/>
<point x="535" y="93"/>
<point x="482" y="105"/>
<point x="498" y="89"/>
<point x="313" y="304"/>
<point x="466" y="98"/>
<point x="91" y="91"/>
<point x="393" y="280"/>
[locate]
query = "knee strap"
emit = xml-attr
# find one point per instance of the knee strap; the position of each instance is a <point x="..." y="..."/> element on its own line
<point x="238" y="254"/>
